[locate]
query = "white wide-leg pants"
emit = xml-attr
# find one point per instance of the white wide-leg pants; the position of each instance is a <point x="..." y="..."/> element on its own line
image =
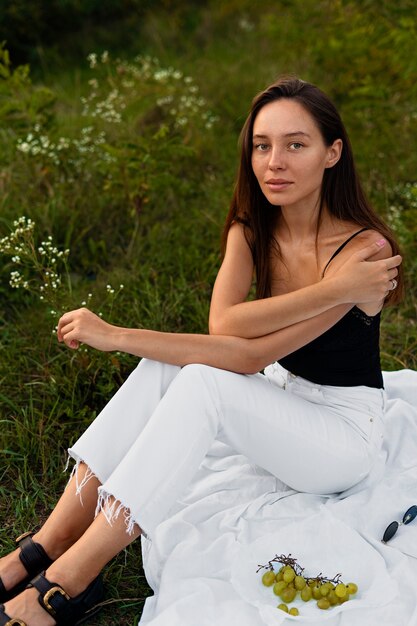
<point x="148" y="442"/>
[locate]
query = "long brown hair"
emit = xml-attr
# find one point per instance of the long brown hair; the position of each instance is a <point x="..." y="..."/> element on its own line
<point x="341" y="190"/>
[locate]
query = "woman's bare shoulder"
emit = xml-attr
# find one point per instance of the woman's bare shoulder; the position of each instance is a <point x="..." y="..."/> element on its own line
<point x="366" y="238"/>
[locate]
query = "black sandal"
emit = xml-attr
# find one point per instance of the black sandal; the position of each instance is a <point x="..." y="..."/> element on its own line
<point x="68" y="611"/>
<point x="54" y="599"/>
<point x="34" y="560"/>
<point x="5" y="620"/>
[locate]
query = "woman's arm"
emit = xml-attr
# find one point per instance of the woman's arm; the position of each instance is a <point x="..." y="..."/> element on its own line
<point x="354" y="282"/>
<point x="237" y="354"/>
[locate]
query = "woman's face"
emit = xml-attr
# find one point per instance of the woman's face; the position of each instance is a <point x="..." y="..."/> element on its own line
<point x="289" y="155"/>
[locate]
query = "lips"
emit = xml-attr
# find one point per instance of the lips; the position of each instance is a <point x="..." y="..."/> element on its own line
<point x="278" y="184"/>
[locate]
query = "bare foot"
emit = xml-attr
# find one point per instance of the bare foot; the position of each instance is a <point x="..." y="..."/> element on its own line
<point x="26" y="607"/>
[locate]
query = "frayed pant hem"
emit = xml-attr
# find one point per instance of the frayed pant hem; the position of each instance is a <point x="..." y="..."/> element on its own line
<point x="112" y="507"/>
<point x="107" y="503"/>
<point x="90" y="473"/>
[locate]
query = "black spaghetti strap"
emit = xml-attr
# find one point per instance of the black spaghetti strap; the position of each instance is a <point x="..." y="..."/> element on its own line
<point x="341" y="248"/>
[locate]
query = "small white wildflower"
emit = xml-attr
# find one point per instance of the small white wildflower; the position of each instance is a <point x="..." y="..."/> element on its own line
<point x="92" y="59"/>
<point x="23" y="146"/>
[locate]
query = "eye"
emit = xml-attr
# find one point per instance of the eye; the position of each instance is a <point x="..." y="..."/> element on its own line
<point x="261" y="147"/>
<point x="296" y="145"/>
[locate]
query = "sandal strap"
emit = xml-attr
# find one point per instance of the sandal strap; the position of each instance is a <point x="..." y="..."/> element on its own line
<point x="52" y="596"/>
<point x="32" y="555"/>
<point x="5" y="620"/>
<point x="33" y="558"/>
<point x="66" y="610"/>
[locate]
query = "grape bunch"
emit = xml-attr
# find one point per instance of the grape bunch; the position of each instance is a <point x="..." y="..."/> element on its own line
<point x="289" y="581"/>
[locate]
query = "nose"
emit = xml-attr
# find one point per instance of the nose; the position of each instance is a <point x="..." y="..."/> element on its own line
<point x="277" y="159"/>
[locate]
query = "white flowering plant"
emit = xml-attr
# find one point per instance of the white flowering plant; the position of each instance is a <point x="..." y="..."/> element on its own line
<point x="136" y="129"/>
<point x="162" y="102"/>
<point x="36" y="267"/>
<point x="42" y="271"/>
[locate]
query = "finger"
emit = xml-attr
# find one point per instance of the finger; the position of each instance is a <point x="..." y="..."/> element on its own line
<point x="64" y="329"/>
<point x="62" y="322"/>
<point x="371" y="249"/>
<point x="393" y="261"/>
<point x="392" y="273"/>
<point x="392" y="284"/>
<point x="70" y="339"/>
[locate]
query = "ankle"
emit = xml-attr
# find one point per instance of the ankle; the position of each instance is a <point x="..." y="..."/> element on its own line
<point x="12" y="570"/>
<point x="73" y="580"/>
<point x="54" y="546"/>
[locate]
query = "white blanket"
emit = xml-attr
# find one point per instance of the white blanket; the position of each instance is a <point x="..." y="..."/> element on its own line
<point x="231" y="503"/>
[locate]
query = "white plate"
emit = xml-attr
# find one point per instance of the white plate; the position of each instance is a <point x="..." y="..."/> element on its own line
<point x="320" y="543"/>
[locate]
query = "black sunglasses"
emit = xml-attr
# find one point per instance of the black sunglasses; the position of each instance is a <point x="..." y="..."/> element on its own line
<point x="390" y="531"/>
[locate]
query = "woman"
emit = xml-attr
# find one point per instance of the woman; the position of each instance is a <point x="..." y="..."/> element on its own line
<point x="325" y="265"/>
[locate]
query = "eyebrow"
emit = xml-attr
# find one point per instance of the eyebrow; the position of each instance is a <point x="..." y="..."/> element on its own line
<point x="293" y="134"/>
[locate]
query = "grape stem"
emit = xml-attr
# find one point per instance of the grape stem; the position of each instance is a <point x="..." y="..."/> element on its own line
<point x="292" y="562"/>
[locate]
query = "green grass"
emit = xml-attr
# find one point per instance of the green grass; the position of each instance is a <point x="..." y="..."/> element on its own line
<point x="150" y="219"/>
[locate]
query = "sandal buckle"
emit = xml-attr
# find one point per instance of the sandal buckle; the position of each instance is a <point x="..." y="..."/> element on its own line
<point x="15" y="622"/>
<point x="28" y="534"/>
<point x="49" y="594"/>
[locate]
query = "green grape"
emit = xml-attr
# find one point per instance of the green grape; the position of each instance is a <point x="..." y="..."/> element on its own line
<point x="286" y="583"/>
<point x="288" y="594"/>
<point x="332" y="598"/>
<point x="279" y="587"/>
<point x="306" y="594"/>
<point x="325" y="589"/>
<point x="352" y="588"/>
<point x="323" y="603"/>
<point x="288" y="575"/>
<point x="268" y="579"/>
<point x="299" y="582"/>
<point x="340" y="590"/>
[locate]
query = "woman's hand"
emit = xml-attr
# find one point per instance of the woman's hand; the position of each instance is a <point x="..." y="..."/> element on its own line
<point x="365" y="276"/>
<point x="84" y="326"/>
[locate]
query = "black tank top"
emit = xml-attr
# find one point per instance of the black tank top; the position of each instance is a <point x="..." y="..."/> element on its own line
<point x="347" y="354"/>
